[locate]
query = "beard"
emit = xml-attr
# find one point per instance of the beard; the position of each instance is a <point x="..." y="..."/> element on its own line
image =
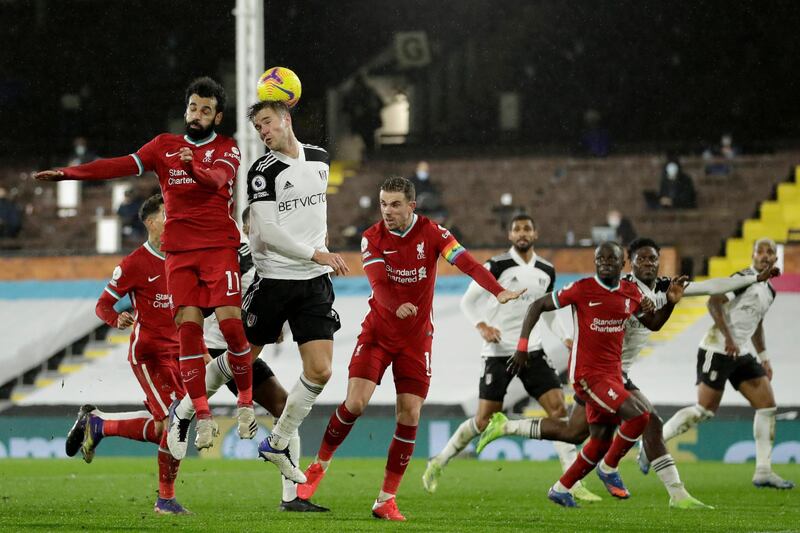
<point x="196" y="132"/>
<point x="523" y="247"/>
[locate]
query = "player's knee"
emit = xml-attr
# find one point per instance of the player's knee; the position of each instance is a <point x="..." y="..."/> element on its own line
<point x="575" y="435"/>
<point x="319" y="374"/>
<point x="409" y="416"/>
<point x="159" y="426"/>
<point x="356" y="406"/>
<point x="233" y="332"/>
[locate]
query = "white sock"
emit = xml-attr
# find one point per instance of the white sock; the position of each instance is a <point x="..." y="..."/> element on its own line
<point x="289" y="486"/>
<point x="524" y="427"/>
<point x="558" y="487"/>
<point x="668" y="474"/>
<point x="218" y="373"/>
<point x="764" y="434"/>
<point x="467" y="431"/>
<point x="567" y="453"/>
<point x="605" y="468"/>
<point x="384" y="496"/>
<point x="684" y="420"/>
<point x="298" y="404"/>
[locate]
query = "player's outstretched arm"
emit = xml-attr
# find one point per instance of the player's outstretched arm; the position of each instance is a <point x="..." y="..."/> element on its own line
<point x="99" y="169"/>
<point x="467" y="264"/>
<point x="520" y="358"/>
<point x="731" y="284"/>
<point x="655" y="319"/>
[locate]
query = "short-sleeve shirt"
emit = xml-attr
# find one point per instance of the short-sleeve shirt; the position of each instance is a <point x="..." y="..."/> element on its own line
<point x="599" y="314"/>
<point x="197" y="216"/>
<point x="142" y="276"/>
<point x="409" y="259"/>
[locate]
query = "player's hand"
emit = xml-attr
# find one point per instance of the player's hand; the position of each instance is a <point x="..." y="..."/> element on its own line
<point x="334" y="261"/>
<point x="488" y="333"/>
<point x="568" y="343"/>
<point x="767" y="273"/>
<point x="49" y="175"/>
<point x="731" y="348"/>
<point x="767" y="368"/>
<point x="124" y="320"/>
<point x="186" y="155"/>
<point x="676" y="288"/>
<point x="406" y="310"/>
<point x="507" y="295"/>
<point x="647" y="305"/>
<point x="517" y="362"/>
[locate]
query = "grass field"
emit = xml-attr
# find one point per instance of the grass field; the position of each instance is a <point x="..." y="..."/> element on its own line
<point x="118" y="494"/>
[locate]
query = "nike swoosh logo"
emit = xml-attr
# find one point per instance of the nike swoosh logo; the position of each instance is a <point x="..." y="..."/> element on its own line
<point x="153" y="279"/>
<point x="172" y="154"/>
<point x="593" y="304"/>
<point x="229" y="293"/>
<point x="387" y="252"/>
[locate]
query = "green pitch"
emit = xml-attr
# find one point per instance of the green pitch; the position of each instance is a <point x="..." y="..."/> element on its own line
<point x="118" y="494"/>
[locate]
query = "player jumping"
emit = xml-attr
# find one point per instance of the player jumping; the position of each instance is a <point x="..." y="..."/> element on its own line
<point x="197" y="173"/>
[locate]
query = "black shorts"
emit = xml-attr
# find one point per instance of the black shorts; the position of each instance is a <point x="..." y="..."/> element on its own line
<point x="626" y="381"/>
<point x="537" y="377"/>
<point x="306" y="304"/>
<point x="714" y="369"/>
<point x="261" y="371"/>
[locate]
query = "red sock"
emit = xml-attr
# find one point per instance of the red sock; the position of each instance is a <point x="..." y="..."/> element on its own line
<point x="624" y="439"/>
<point x="585" y="462"/>
<point x="135" y="426"/>
<point x="239" y="358"/>
<point x="339" y="425"/>
<point x="167" y="470"/>
<point x="400" y="451"/>
<point x="193" y="368"/>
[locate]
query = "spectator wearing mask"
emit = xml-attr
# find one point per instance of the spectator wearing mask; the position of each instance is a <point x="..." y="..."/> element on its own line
<point x="622" y="225"/>
<point x="677" y="188"/>
<point x="429" y="199"/>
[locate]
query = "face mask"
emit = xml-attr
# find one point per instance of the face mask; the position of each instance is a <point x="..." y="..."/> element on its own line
<point x="364" y="202"/>
<point x="80" y="149"/>
<point x="422" y="175"/>
<point x="672" y="171"/>
<point x="613" y="221"/>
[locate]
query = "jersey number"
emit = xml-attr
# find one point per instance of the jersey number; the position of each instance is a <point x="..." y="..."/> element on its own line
<point x="233" y="282"/>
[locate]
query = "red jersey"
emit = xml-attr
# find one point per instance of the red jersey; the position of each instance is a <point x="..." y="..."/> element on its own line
<point x="599" y="314"/>
<point x="197" y="216"/>
<point x="142" y="276"/>
<point x="401" y="267"/>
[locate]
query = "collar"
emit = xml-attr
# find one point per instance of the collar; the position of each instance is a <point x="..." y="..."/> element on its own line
<point x="201" y="142"/>
<point x="606" y="287"/>
<point x="518" y="258"/>
<point x="408" y="229"/>
<point x="301" y="155"/>
<point x="153" y="251"/>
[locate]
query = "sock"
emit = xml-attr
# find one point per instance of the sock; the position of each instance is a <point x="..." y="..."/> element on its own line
<point x="298" y="404"/>
<point x="289" y="487"/>
<point x="339" y="425"/>
<point x="217" y="374"/>
<point x="467" y="431"/>
<point x="530" y="428"/>
<point x="627" y="435"/>
<point x="567" y="453"/>
<point x="591" y="453"/>
<point x="400" y="451"/>
<point x="239" y="358"/>
<point x="167" y="470"/>
<point x="667" y="472"/>
<point x="764" y="434"/>
<point x="684" y="420"/>
<point x="193" y="368"/>
<point x="134" y="425"/>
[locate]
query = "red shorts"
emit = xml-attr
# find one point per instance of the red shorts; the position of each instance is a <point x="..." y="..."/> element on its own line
<point x="411" y="365"/>
<point x="603" y="396"/>
<point x="161" y="382"/>
<point x="207" y="278"/>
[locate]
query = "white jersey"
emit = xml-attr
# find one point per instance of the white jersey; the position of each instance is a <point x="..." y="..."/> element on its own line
<point x="637" y="334"/>
<point x="745" y="309"/>
<point x="513" y="273"/>
<point x="288" y="198"/>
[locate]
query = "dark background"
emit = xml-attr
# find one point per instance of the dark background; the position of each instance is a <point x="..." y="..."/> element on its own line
<point x="660" y="74"/>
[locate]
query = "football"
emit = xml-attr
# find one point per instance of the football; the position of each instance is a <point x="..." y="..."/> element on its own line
<point x="279" y="83"/>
